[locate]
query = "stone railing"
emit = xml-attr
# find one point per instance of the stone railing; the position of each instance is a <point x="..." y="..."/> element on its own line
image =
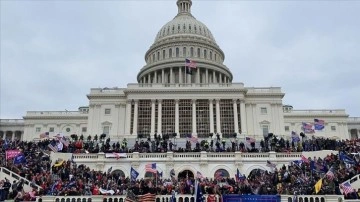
<point x="231" y="156"/>
<point x="185" y="198"/>
<point x="313" y="198"/>
<point x="14" y="176"/>
<point x="115" y="198"/>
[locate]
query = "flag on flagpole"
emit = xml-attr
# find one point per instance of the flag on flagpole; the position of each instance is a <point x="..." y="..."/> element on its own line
<point x="319" y="124"/>
<point x="330" y="174"/>
<point x="198" y="193"/>
<point x="190" y="63"/>
<point x="295" y="137"/>
<point x="346" y="187"/>
<point x="318" y="186"/>
<point x="54" y="149"/>
<point x="307" y="127"/>
<point x="151" y="168"/>
<point x="134" y="174"/>
<point x="304" y="159"/>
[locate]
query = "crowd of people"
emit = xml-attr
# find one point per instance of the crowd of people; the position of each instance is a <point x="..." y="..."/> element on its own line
<point x="66" y="178"/>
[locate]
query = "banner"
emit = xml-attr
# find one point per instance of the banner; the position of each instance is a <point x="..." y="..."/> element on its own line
<point x="251" y="198"/>
<point x="12" y="153"/>
<point x="116" y="155"/>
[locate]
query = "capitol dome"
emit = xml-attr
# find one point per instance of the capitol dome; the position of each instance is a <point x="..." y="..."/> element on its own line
<point x="182" y="38"/>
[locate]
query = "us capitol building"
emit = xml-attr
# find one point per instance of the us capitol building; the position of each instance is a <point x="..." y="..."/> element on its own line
<point x="167" y="100"/>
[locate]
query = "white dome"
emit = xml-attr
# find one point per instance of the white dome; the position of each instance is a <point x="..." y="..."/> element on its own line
<point x="184" y="24"/>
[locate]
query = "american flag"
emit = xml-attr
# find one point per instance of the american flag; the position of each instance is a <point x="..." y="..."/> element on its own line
<point x="199" y="175"/>
<point x="192" y="138"/>
<point x="346" y="187"/>
<point x="219" y="175"/>
<point x="130" y="197"/>
<point x="190" y="63"/>
<point x="54" y="149"/>
<point x="151" y="168"/>
<point x="250" y="139"/>
<point x="307" y="127"/>
<point x="330" y="174"/>
<point x="64" y="141"/>
<point x="304" y="159"/>
<point x="147" y="198"/>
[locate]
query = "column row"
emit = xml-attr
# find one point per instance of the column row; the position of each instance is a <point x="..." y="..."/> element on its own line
<point x="221" y="118"/>
<point x="180" y="75"/>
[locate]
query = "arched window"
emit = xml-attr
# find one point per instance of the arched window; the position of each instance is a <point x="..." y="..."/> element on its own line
<point x="210" y="55"/>
<point x="163" y="56"/>
<point x="215" y="57"/>
<point x="191" y="52"/>
<point x="205" y="54"/>
<point x="170" y="53"/>
<point x="153" y="59"/>
<point x="184" y="51"/>
<point x="158" y="55"/>
<point x="198" y="52"/>
<point x="177" y="52"/>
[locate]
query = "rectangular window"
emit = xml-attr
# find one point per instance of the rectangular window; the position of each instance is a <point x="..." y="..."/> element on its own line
<point x="51" y="130"/>
<point x="107" y="111"/>
<point x="38" y="129"/>
<point x="265" y="129"/>
<point x="263" y="110"/>
<point x="333" y="128"/>
<point x="287" y="128"/>
<point x="84" y="129"/>
<point x="106" y="130"/>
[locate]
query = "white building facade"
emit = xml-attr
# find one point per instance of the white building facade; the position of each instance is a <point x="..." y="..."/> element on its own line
<point x="168" y="101"/>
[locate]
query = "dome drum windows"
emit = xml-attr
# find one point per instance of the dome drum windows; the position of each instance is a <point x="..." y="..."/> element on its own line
<point x="184" y="52"/>
<point x="170" y="53"/>
<point x="177" y="52"/>
<point x="191" y="52"/>
<point x="205" y="54"/>
<point x="163" y="55"/>
<point x="198" y="52"/>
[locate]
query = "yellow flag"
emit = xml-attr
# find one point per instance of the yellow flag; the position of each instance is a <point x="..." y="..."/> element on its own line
<point x="58" y="164"/>
<point x="318" y="186"/>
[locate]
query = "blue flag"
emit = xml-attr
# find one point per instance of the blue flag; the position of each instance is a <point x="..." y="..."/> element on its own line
<point x="19" y="159"/>
<point x="198" y="192"/>
<point x="134" y="174"/>
<point x="347" y="159"/>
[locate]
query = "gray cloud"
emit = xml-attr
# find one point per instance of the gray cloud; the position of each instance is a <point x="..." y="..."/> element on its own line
<point x="52" y="53"/>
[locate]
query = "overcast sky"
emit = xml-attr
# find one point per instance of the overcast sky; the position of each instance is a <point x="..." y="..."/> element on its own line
<point x="53" y="52"/>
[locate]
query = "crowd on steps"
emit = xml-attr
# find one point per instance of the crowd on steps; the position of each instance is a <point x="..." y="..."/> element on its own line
<point x="308" y="175"/>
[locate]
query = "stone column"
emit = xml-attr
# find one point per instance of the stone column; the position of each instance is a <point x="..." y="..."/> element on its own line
<point x="243" y="117"/>
<point x="155" y="77"/>
<point x="211" y="114"/>
<point x="13" y="135"/>
<point x="236" y="120"/>
<point x="162" y="76"/>
<point x="220" y="78"/>
<point x="218" y="126"/>
<point x="152" y="130"/>
<point x="198" y="72"/>
<point x="194" y="118"/>
<point x="149" y="78"/>
<point x="128" y="117"/>
<point x="177" y="116"/>
<point x="171" y="75"/>
<point x="180" y="75"/>
<point x="159" y="116"/>
<point x="206" y="76"/>
<point x="135" y="117"/>
<point x="214" y="77"/>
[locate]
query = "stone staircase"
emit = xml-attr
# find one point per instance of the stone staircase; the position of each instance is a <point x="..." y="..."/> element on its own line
<point x="11" y="176"/>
